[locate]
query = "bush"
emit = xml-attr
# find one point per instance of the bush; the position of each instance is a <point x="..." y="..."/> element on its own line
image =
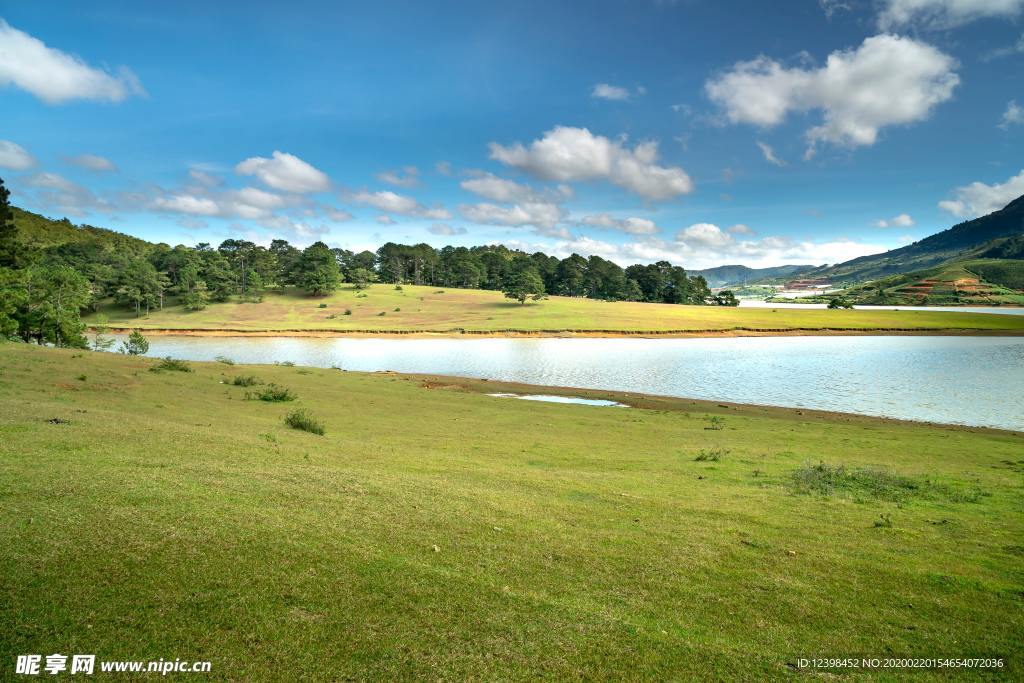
<point x="322" y="306"/>
<point x="382" y="313"/>
<point x="711" y="455"/>
<point x="272" y="393"/>
<point x="246" y="381"/>
<point x="348" y="311"/>
<point x="839" y="303"/>
<point x="136" y="345"/>
<point x="172" y="365"/>
<point x="398" y="288"/>
<point x="301" y="419"/>
<point x="715" y="422"/>
<point x="225" y="360"/>
<point x="397" y="309"/>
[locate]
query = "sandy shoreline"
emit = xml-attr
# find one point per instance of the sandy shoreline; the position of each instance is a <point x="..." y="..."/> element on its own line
<point x="569" y="334"/>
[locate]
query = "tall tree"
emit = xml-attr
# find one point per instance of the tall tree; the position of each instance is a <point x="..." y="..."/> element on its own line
<point x="318" y="270"/>
<point x="12" y="251"/>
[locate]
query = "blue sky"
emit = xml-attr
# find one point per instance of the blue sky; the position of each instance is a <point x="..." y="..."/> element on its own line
<point x="697" y="131"/>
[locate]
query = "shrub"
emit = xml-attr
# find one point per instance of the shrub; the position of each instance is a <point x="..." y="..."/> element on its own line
<point x="271" y="393"/>
<point x="246" y="381"/>
<point x="711" y="455"/>
<point x="397" y="309"/>
<point x="82" y="378"/>
<point x="322" y="306"/>
<point x="348" y="311"/>
<point x="398" y="288"/>
<point x="225" y="360"/>
<point x="382" y="313"/>
<point x="302" y="419"/>
<point x="172" y="365"/>
<point x="715" y="422"/>
<point x="136" y="345"/>
<point x="285" y="363"/>
<point x="827" y="480"/>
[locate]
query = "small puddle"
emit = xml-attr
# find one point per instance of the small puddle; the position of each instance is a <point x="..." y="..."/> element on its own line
<point x="563" y="399"/>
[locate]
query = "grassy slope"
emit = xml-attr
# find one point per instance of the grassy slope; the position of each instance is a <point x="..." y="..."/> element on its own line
<point x="990" y="282"/>
<point x="171" y="518"/>
<point x="428" y="308"/>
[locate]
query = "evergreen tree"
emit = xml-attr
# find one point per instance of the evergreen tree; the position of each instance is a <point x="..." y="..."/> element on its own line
<point x="318" y="270"/>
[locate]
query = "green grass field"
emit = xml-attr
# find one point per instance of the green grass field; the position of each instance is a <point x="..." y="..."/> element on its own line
<point x="427" y="309"/>
<point x="436" y="532"/>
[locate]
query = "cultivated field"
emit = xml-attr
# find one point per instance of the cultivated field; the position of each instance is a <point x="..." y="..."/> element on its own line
<point x="382" y="308"/>
<point x="436" y="532"/>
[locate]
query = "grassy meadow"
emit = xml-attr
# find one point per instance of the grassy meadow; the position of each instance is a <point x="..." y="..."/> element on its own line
<point x="436" y="532"/>
<point x="382" y="308"/>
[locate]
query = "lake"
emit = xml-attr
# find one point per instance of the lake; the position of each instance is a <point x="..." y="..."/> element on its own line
<point x="998" y="310"/>
<point x="962" y="380"/>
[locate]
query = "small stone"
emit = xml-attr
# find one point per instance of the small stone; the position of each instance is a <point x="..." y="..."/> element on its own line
<point x="791" y="553"/>
<point x="437" y="549"/>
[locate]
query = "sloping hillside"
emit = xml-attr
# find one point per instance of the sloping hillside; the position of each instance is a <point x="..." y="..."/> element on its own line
<point x="978" y="282"/>
<point x="42" y="232"/>
<point x="997" y="231"/>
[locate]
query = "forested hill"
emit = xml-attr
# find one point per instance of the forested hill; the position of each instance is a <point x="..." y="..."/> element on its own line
<point x="40" y="232"/>
<point x="969" y="238"/>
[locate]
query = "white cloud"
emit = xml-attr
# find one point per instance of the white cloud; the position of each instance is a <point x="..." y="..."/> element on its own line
<point x="490" y="186"/>
<point x="570" y="154"/>
<point x="831" y="7"/>
<point x="15" y="157"/>
<point x="1013" y="116"/>
<point x="543" y="215"/>
<point x="943" y="14"/>
<point x="769" y="154"/>
<point x="1000" y="52"/>
<point x="54" y="76"/>
<point x="93" y="162"/>
<point x="901" y="221"/>
<point x="887" y="81"/>
<point x="407" y="177"/>
<point x="186" y="203"/>
<point x="337" y="215"/>
<point x="631" y="226"/>
<point x="285" y="172"/>
<point x="979" y="199"/>
<point x="388" y="201"/>
<point x="443" y="167"/>
<point x="603" y="91"/>
<point x="445" y="229"/>
<point x="385" y="220"/>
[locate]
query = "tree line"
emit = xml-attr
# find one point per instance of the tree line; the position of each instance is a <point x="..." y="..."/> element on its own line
<point x="44" y="287"/>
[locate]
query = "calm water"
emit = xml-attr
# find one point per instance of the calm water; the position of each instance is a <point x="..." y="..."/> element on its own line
<point x="998" y="310"/>
<point x="965" y="380"/>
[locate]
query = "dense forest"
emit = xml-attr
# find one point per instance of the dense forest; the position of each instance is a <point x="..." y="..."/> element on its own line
<point x="50" y="271"/>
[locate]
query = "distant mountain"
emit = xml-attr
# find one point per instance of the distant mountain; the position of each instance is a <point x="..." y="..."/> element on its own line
<point x="740" y="275"/>
<point x="996" y="234"/>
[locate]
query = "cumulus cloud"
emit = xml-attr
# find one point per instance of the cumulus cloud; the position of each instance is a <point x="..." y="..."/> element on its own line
<point x="285" y="172"/>
<point x="543" y="215"/>
<point x="407" y="177"/>
<point x="1013" y="116"/>
<point x="740" y="229"/>
<point x="186" y="203"/>
<point x="769" y="154"/>
<point x="15" y="157"/>
<point x="92" y="162"/>
<point x="631" y="225"/>
<point x="391" y="202"/>
<point x="888" y="80"/>
<point x="943" y="14"/>
<point x="54" y="76"/>
<point x="490" y="186"/>
<point x="445" y="229"/>
<point x="979" y="199"/>
<point x="901" y="221"/>
<point x="568" y="154"/>
<point x="604" y="91"/>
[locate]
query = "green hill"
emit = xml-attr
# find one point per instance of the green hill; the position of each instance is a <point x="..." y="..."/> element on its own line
<point x="41" y="232"/>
